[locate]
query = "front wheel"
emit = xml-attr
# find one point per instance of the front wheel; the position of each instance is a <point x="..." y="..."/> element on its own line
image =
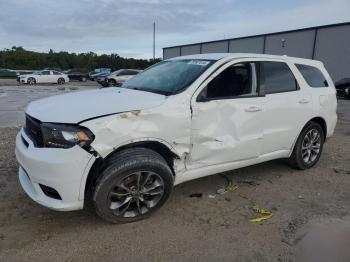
<point x="112" y="82"/>
<point x="308" y="148"/>
<point x="135" y="183"/>
<point x="31" y="81"/>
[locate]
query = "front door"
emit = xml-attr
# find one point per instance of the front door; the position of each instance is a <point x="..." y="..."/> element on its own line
<point x="226" y="117"/>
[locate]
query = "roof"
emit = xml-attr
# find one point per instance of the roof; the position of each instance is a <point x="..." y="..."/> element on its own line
<point x="260" y="35"/>
<point x="228" y="56"/>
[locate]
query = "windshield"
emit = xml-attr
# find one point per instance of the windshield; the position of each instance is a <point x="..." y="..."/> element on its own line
<point x="169" y="77"/>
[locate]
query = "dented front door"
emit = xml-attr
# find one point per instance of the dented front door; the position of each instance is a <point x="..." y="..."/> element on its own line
<point x="227" y="123"/>
<point x="227" y="130"/>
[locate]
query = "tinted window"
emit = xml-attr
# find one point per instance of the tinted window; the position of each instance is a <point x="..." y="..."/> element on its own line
<point x="236" y="80"/>
<point x="131" y="72"/>
<point x="56" y="73"/>
<point x="312" y="76"/>
<point x="45" y="72"/>
<point x="123" y="73"/>
<point x="278" y="77"/>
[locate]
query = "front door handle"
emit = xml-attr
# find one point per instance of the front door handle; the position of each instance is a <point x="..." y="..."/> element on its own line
<point x="253" y="109"/>
<point x="304" y="101"/>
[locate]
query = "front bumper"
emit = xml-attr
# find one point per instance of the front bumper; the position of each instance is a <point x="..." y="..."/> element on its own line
<point x="64" y="170"/>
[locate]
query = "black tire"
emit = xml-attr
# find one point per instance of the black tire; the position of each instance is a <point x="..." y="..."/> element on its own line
<point x="61" y="81"/>
<point x="112" y="82"/>
<point x="31" y="81"/>
<point x="105" y="84"/>
<point x="297" y="159"/>
<point x="125" y="167"/>
<point x="83" y="79"/>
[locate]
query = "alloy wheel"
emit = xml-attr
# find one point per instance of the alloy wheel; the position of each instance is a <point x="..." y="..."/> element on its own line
<point x="311" y="146"/>
<point x="136" y="194"/>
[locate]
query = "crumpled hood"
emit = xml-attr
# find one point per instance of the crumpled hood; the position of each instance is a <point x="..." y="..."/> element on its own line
<point x="76" y="107"/>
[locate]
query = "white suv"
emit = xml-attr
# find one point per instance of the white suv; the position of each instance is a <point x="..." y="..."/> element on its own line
<point x="123" y="149"/>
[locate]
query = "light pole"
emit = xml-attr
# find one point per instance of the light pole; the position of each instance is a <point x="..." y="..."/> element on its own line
<point x="154" y="40"/>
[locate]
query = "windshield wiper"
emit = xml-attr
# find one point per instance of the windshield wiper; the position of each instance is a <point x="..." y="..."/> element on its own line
<point x="157" y="91"/>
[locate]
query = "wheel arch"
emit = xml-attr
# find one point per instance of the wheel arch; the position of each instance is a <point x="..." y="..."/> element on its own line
<point x="318" y="119"/>
<point x="322" y="122"/>
<point x="158" y="146"/>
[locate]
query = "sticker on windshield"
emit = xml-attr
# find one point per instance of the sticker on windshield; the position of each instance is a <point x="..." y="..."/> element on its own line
<point x="198" y="62"/>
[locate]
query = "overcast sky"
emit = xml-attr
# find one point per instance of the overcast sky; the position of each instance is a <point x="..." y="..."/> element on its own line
<point x="125" y="26"/>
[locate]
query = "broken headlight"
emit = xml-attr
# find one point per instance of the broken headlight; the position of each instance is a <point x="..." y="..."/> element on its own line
<point x="66" y="136"/>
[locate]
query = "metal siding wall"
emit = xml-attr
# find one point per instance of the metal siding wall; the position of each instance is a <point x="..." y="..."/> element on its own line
<point x="247" y="45"/>
<point x="216" y="47"/>
<point x="298" y="44"/>
<point x="171" y="52"/>
<point x="190" y="49"/>
<point x="333" y="49"/>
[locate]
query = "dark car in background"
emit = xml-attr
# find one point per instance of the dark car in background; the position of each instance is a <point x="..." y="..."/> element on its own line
<point x="99" y="72"/>
<point x="343" y="88"/>
<point x="78" y="74"/>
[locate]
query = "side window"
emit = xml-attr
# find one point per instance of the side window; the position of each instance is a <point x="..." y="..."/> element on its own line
<point x="238" y="80"/>
<point x="312" y="75"/>
<point x="45" y="72"/>
<point x="56" y="73"/>
<point x="277" y="77"/>
<point x="123" y="73"/>
<point x="132" y="72"/>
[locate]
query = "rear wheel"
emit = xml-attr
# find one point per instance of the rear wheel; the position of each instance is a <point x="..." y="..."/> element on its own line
<point x="83" y="79"/>
<point x="135" y="183"/>
<point x="61" y="81"/>
<point x="31" y="81"/>
<point x="308" y="148"/>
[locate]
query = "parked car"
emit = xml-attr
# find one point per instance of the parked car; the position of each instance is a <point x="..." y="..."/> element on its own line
<point x="343" y="88"/>
<point x="58" y="69"/>
<point x="117" y="78"/>
<point x="44" y="76"/>
<point x="93" y="75"/>
<point x="98" y="76"/>
<point x="79" y="74"/>
<point x="123" y="149"/>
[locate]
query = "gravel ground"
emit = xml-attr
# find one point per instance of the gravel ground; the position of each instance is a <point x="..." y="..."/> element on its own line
<point x="311" y="211"/>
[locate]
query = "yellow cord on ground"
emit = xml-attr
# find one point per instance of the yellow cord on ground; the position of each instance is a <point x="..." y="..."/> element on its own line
<point x="231" y="187"/>
<point x="267" y="215"/>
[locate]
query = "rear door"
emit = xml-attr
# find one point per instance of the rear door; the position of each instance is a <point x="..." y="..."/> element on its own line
<point x="288" y="105"/>
<point x="44" y="77"/>
<point x="227" y="123"/>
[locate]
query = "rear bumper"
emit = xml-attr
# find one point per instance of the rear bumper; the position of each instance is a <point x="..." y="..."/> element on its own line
<point x="64" y="170"/>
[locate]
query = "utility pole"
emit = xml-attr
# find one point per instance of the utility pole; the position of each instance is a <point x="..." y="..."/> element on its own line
<point x="154" y="40"/>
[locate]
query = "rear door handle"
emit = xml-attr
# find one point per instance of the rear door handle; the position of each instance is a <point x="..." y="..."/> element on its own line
<point x="253" y="109"/>
<point x="304" y="101"/>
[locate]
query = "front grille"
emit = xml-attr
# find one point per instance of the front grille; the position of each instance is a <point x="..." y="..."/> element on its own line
<point x="32" y="129"/>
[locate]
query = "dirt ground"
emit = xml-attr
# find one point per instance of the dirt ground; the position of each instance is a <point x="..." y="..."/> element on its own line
<point x="308" y="207"/>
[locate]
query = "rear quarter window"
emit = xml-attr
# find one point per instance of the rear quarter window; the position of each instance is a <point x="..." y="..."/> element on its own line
<point x="312" y="75"/>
